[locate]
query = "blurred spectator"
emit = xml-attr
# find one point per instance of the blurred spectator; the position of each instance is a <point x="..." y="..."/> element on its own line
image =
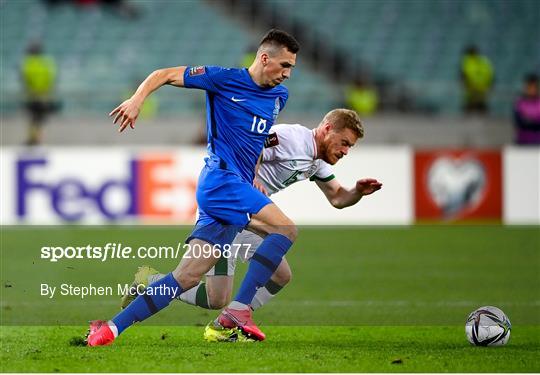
<point x="527" y="112"/>
<point x="249" y="56"/>
<point x="362" y="98"/>
<point x="123" y="8"/>
<point x="38" y="74"/>
<point x="477" y="79"/>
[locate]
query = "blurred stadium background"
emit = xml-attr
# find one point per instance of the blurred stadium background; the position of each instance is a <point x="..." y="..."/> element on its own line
<point x="405" y="55"/>
<point x="409" y="51"/>
<point x="438" y="163"/>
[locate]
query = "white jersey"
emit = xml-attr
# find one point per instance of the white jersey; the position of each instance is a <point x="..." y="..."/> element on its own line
<point x="289" y="156"/>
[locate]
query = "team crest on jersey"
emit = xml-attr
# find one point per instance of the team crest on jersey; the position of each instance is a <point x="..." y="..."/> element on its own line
<point x="196" y="71"/>
<point x="311" y="171"/>
<point x="271" y="141"/>
<point x="277" y="107"/>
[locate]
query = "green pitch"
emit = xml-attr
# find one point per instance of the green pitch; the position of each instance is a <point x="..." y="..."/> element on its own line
<point x="288" y="349"/>
<point x="377" y="299"/>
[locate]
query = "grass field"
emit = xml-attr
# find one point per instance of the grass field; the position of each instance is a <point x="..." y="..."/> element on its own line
<point x="379" y="299"/>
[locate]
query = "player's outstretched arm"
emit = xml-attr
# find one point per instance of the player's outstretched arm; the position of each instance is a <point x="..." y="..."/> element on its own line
<point x="127" y="112"/>
<point x="341" y="197"/>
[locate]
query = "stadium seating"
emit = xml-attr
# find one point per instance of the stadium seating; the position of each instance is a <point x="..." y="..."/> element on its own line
<point x="102" y="56"/>
<point x="419" y="42"/>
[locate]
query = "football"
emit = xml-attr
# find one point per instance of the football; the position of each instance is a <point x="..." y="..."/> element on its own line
<point x="488" y="326"/>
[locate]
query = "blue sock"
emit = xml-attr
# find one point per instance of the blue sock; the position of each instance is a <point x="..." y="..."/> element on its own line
<point x="157" y="296"/>
<point x="262" y="265"/>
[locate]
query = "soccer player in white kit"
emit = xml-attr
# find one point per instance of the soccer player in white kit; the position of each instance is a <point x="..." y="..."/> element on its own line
<point x="292" y="153"/>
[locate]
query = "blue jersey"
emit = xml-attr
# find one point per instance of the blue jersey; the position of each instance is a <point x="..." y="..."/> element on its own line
<point x="239" y="114"/>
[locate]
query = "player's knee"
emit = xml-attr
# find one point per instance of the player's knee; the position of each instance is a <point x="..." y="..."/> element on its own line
<point x="290" y="231"/>
<point x="287" y="229"/>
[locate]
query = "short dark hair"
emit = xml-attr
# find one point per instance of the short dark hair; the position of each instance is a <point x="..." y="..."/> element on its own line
<point x="281" y="38"/>
<point x="471" y="49"/>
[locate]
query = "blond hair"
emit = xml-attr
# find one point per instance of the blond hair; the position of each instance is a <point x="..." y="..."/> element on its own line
<point x="342" y="118"/>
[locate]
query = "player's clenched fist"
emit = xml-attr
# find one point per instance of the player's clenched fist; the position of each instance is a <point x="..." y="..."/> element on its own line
<point x="368" y="186"/>
<point x="126" y="114"/>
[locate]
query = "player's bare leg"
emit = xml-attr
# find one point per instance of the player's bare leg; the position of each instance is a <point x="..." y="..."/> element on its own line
<point x="215" y="292"/>
<point x="220" y="294"/>
<point x="219" y="291"/>
<point x="186" y="275"/>
<point x="219" y="288"/>
<point x="279" y="233"/>
<point x="190" y="270"/>
<point x="269" y="220"/>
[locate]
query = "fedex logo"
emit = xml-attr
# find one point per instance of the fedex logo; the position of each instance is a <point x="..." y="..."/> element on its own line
<point x="147" y="188"/>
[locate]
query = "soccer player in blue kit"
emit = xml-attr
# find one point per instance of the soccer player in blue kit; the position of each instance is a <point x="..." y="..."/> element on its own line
<point x="241" y="106"/>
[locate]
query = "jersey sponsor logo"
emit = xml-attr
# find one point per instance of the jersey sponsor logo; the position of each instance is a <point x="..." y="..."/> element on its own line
<point x="197" y="71"/>
<point x="236" y="100"/>
<point x="271" y="141"/>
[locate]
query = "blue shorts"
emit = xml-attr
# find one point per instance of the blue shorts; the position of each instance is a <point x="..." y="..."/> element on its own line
<point x="226" y="203"/>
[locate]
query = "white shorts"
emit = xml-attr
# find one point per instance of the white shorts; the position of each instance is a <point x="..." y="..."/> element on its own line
<point x="244" y="245"/>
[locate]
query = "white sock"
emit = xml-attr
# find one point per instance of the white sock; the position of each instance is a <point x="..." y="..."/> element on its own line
<point x="113" y="328"/>
<point x="261" y="297"/>
<point x="235" y="305"/>
<point x="190" y="295"/>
